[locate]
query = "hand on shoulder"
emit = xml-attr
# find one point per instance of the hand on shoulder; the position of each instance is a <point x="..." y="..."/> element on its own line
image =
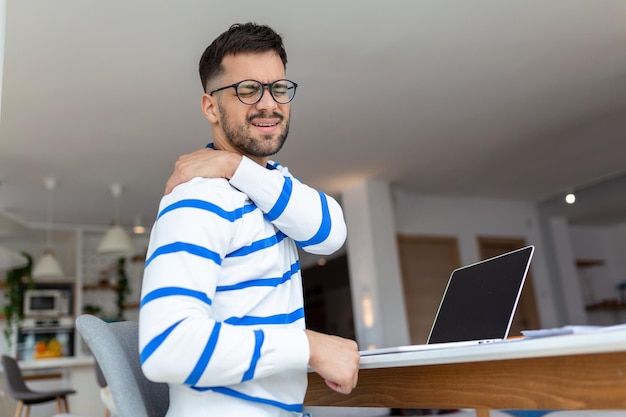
<point x="206" y="163"/>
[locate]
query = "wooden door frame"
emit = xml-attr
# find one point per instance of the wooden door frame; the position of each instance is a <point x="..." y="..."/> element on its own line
<point x="433" y="239"/>
<point x="516" y="241"/>
<point x="415" y="315"/>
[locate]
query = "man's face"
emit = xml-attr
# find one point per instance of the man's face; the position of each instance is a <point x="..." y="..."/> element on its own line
<point x="258" y="130"/>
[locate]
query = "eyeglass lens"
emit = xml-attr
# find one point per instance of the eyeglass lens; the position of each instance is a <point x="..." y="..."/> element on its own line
<point x="251" y="91"/>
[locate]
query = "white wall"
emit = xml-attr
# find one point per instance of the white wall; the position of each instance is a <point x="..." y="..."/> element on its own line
<point x="599" y="282"/>
<point x="596" y="243"/>
<point x="570" y="296"/>
<point x="3" y="11"/>
<point x="375" y="277"/>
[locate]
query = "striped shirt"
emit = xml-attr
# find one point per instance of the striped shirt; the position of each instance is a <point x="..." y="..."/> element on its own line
<point x="221" y="317"/>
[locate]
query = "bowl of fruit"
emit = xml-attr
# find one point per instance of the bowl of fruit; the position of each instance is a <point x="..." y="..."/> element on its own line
<point x="49" y="348"/>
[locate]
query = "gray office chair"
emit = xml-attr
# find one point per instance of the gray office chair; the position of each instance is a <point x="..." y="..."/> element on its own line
<point x="115" y="347"/>
<point x="24" y="396"/>
<point x="105" y="393"/>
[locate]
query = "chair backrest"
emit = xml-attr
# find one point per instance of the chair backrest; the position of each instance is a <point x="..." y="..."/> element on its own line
<point x="13" y="377"/>
<point x="115" y="347"/>
<point x="102" y="382"/>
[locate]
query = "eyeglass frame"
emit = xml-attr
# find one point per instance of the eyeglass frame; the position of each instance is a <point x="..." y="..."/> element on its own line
<point x="268" y="85"/>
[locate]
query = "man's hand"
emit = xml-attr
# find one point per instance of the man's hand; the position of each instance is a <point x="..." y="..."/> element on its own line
<point x="335" y="359"/>
<point x="206" y="163"/>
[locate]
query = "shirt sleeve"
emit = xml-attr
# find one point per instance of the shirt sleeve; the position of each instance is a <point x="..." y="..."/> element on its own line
<point x="311" y="218"/>
<point x="180" y="341"/>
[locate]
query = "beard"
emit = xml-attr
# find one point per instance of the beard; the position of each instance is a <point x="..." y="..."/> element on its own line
<point x="239" y="136"/>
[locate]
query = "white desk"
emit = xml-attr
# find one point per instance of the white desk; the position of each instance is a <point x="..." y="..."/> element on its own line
<point x="585" y="371"/>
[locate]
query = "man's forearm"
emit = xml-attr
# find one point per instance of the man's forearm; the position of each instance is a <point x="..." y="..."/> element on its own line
<point x="313" y="219"/>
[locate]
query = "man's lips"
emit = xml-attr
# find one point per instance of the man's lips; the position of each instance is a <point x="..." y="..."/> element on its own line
<point x="266" y="125"/>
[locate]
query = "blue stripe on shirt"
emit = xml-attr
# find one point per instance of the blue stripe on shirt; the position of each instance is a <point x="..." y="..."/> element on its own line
<point x="259" y="337"/>
<point x="324" y="230"/>
<point x="275" y="319"/>
<point x="231" y="216"/>
<point x="294" y="408"/>
<point x="171" y="291"/>
<point x="262" y="282"/>
<point x="205" y="358"/>
<point x="258" y="245"/>
<point x="185" y="247"/>
<point x="156" y="342"/>
<point x="282" y="201"/>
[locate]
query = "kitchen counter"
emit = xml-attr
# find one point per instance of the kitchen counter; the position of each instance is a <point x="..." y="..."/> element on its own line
<point x="56" y="363"/>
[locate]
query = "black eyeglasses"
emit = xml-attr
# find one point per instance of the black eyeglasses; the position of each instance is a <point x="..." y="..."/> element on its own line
<point x="251" y="91"/>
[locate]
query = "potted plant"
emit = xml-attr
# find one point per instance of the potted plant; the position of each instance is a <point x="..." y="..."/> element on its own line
<point x="122" y="287"/>
<point x="13" y="309"/>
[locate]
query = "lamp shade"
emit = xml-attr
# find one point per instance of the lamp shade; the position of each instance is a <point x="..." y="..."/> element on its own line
<point x="48" y="266"/>
<point x="10" y="259"/>
<point x="116" y="240"/>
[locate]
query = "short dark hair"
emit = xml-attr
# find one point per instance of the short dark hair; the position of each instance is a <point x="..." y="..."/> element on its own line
<point x="239" y="38"/>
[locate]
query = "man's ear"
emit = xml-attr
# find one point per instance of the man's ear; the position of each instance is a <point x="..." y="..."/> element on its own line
<point x="209" y="108"/>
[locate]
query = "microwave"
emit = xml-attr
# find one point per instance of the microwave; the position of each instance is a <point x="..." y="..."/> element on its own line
<point x="49" y="302"/>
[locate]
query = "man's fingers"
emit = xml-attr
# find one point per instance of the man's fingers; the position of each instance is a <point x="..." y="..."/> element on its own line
<point x="342" y="389"/>
<point x="172" y="182"/>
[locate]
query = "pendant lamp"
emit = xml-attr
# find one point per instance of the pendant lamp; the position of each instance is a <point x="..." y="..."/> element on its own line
<point x="116" y="239"/>
<point x="138" y="227"/>
<point x="48" y="265"/>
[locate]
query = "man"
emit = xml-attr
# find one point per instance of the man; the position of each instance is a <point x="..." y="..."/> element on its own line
<point x="221" y="316"/>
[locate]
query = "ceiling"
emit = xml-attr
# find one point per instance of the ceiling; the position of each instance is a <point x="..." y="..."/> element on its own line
<point x="517" y="100"/>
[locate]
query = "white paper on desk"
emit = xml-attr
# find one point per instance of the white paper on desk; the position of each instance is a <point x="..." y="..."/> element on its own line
<point x="571" y="329"/>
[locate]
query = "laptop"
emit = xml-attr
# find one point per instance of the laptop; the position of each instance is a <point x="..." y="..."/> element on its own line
<point x="478" y="304"/>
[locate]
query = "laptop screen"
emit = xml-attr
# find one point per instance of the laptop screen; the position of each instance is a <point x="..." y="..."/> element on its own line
<point x="480" y="299"/>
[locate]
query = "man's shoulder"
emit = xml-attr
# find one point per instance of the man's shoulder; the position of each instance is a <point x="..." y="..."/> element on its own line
<point x="275" y="165"/>
<point x="200" y="183"/>
<point x="215" y="190"/>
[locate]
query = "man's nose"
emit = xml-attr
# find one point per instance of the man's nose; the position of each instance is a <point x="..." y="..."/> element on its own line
<point x="267" y="101"/>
